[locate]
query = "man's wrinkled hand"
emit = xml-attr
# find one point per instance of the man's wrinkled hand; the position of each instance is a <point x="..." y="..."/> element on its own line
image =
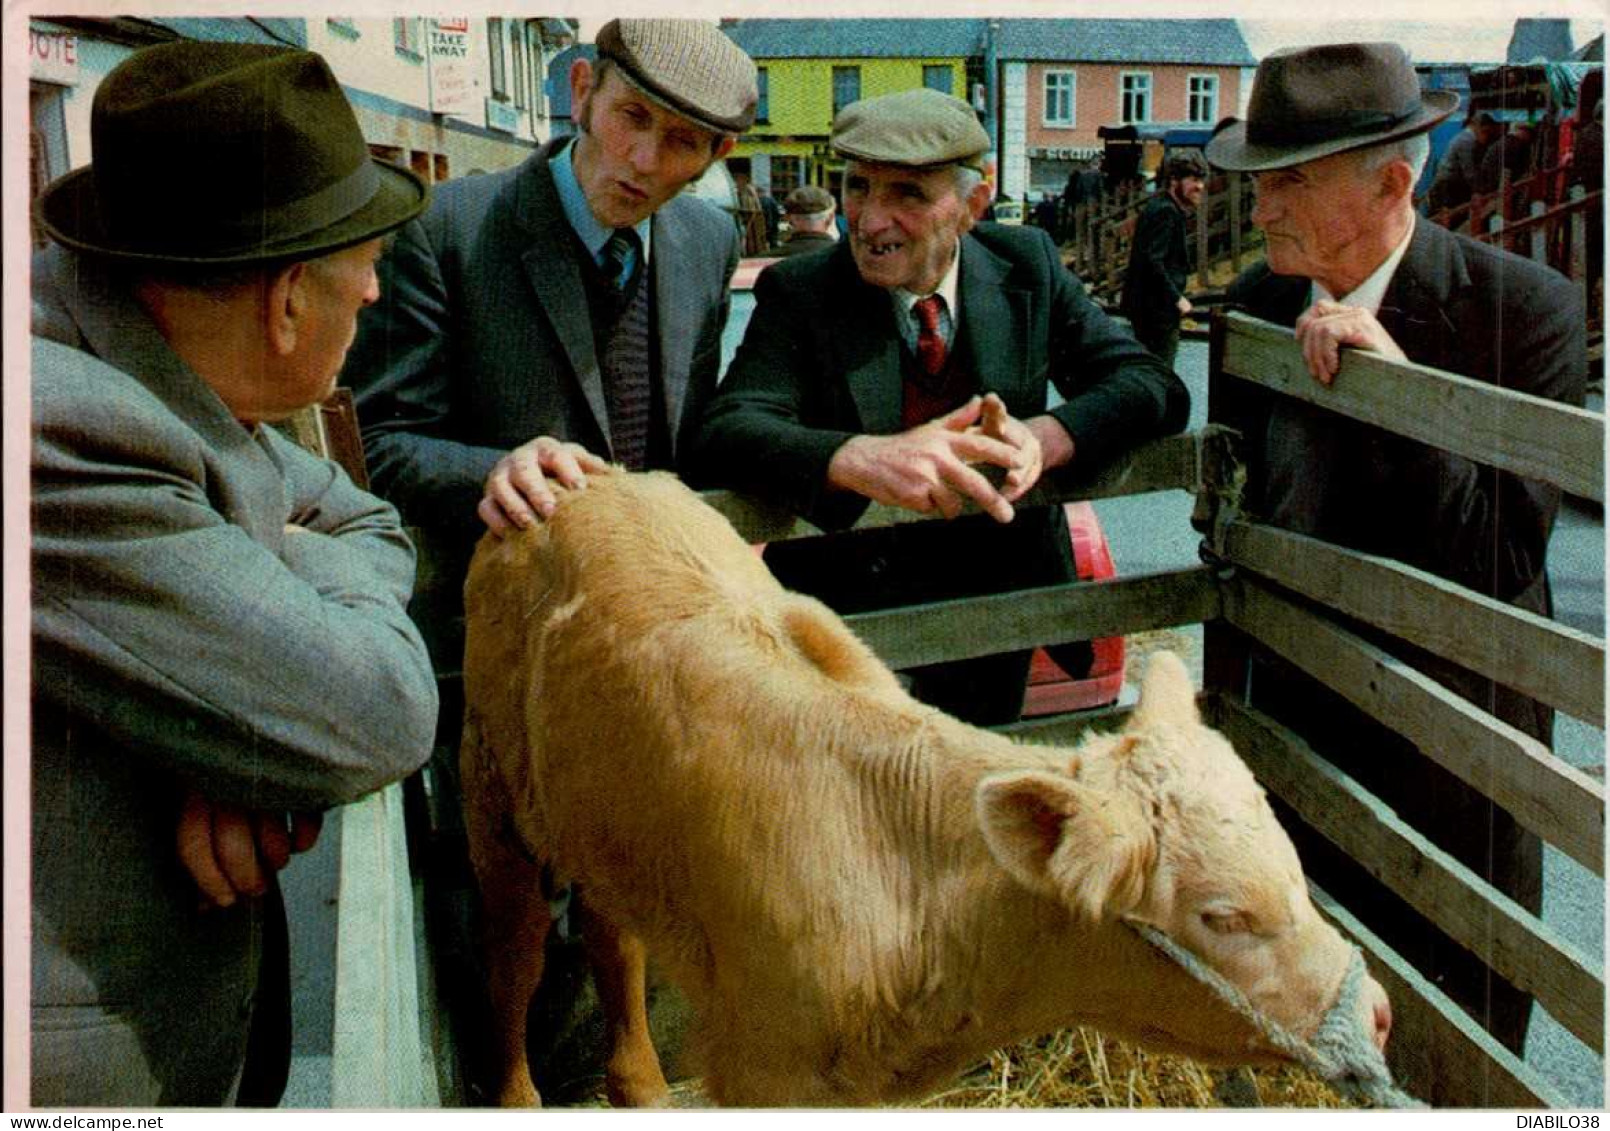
<point x="996" y="422"/>
<point x="1324" y="328"/>
<point x="232" y="852"/>
<point x="929" y="469"/>
<point x="519" y="489"/>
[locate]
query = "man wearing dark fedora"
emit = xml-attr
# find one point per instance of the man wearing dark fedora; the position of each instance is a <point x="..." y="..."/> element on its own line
<point x="221" y="648"/>
<point x="539" y="321"/>
<point x="889" y="367"/>
<point x="1336" y="138"/>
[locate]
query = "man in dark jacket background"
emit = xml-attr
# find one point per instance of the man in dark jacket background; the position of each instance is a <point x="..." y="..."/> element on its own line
<point x="1160" y="257"/>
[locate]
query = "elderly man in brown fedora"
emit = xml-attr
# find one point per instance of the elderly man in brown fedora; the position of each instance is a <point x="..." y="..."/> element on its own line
<point x="890" y="367"/>
<point x="1336" y="137"/>
<point x="220" y="640"/>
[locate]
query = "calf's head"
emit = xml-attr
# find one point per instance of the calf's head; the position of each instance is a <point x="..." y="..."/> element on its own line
<point x="1162" y="825"/>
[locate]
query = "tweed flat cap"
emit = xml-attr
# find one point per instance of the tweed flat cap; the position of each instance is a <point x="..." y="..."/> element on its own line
<point x="914" y="127"/>
<point x="688" y="66"/>
<point x="807" y="200"/>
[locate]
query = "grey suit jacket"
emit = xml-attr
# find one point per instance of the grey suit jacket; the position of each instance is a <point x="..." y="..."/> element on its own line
<point x="481" y="339"/>
<point x="182" y="635"/>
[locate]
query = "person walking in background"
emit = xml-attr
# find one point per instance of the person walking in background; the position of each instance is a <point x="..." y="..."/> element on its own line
<point x="810" y="221"/>
<point x="1161" y="257"/>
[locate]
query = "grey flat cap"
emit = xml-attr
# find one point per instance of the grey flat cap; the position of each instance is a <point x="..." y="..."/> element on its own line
<point x="687" y="66"/>
<point x="807" y="200"/>
<point x="914" y="127"/>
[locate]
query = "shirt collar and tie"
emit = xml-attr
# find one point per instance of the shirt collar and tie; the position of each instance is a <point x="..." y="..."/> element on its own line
<point x="611" y="248"/>
<point x="927" y="323"/>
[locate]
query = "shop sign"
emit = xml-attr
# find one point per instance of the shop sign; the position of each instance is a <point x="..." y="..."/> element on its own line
<point x="53" y="57"/>
<point x="452" y="76"/>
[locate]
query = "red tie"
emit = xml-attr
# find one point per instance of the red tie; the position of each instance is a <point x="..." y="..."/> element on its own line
<point x="930" y="342"/>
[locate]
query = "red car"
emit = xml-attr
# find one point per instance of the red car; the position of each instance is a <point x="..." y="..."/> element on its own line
<point x="1050" y="689"/>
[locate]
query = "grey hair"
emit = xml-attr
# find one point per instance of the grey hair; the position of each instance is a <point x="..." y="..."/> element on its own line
<point x="1416" y="150"/>
<point x="967" y="179"/>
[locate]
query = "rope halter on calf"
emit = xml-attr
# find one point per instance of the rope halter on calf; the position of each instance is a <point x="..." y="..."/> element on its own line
<point x="1342" y="1053"/>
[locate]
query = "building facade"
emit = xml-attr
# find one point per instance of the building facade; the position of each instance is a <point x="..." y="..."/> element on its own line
<point x="445" y="97"/>
<point x="811" y="69"/>
<point x="1060" y="81"/>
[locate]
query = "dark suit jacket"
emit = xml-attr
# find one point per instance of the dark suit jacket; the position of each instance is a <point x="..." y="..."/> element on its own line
<point x="1159" y="261"/>
<point x="821" y="362"/>
<point x="1471" y="309"/>
<point x="481" y="338"/>
<point x="1454" y="304"/>
<point x="801" y="242"/>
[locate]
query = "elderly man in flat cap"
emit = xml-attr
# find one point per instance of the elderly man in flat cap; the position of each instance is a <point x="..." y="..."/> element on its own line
<point x="891" y="368"/>
<point x="540" y="321"/>
<point x="1336" y="136"/>
<point x="220" y="641"/>
<point x="810" y="213"/>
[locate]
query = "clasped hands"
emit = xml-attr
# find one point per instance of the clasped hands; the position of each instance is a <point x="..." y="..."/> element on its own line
<point x="931" y="468"/>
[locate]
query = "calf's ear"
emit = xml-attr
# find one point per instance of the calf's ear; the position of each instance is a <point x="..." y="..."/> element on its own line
<point x="1167" y="694"/>
<point x="1089" y="848"/>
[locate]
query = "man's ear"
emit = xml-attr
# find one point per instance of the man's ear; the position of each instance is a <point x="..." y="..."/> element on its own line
<point x="581" y="85"/>
<point x="285" y="305"/>
<point x="978" y="200"/>
<point x="1397" y="180"/>
<point x="724" y="147"/>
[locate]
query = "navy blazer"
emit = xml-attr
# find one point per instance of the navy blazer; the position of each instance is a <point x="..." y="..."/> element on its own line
<point x="481" y="339"/>
<point x="820" y="363"/>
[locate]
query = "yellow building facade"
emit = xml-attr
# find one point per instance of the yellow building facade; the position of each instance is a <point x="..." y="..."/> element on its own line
<point x="788" y="145"/>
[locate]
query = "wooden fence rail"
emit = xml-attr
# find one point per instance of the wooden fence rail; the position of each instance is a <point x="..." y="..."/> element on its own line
<point x="1284" y="592"/>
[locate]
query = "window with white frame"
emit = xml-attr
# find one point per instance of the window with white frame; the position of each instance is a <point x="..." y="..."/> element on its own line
<point x="1202" y="99"/>
<point x="1061" y="95"/>
<point x="1135" y="96"/>
<point x="518" y="64"/>
<point x="496" y="56"/>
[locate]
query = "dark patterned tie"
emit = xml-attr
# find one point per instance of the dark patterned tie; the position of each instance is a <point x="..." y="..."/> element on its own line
<point x="621" y="257"/>
<point x="930" y="342"/>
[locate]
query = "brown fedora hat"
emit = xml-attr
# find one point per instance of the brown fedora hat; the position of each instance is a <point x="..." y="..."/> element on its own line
<point x="225" y="154"/>
<point x="1312" y="102"/>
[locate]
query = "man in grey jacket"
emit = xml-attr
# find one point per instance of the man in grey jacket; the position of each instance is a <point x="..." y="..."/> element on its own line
<point x="220" y="644"/>
<point x="540" y="320"/>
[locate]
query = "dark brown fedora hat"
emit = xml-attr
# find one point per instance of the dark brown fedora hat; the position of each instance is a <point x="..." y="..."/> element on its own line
<point x="1311" y="102"/>
<point x="225" y="154"/>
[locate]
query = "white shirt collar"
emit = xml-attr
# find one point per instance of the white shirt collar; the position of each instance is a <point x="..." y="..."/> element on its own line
<point x="1372" y="290"/>
<point x="904" y="300"/>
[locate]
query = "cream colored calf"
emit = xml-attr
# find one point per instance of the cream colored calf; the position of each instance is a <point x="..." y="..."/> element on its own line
<point x="860" y="896"/>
